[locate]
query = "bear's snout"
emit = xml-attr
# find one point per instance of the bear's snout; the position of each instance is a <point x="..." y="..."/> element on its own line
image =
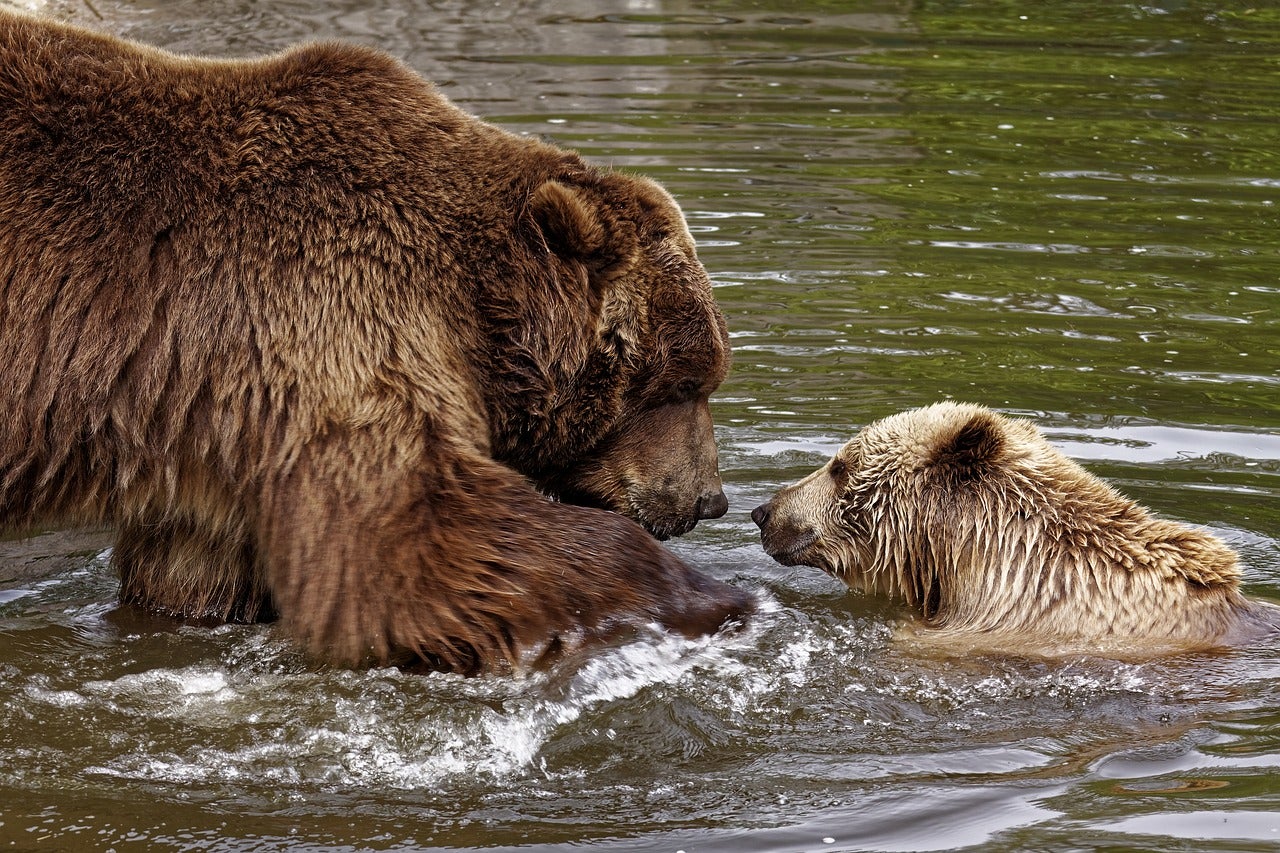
<point x="784" y="537"/>
<point x="712" y="505"/>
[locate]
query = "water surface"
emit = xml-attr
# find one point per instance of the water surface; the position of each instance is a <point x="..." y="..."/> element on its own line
<point x="1065" y="211"/>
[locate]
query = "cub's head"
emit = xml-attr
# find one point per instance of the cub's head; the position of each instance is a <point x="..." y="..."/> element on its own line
<point x="880" y="513"/>
<point x="625" y="423"/>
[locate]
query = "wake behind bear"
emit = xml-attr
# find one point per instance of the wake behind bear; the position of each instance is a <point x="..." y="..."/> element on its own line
<point x="314" y="339"/>
<point x="1001" y="542"/>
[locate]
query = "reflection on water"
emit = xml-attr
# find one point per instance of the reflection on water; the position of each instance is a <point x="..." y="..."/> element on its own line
<point x="1147" y="444"/>
<point x="1067" y="212"/>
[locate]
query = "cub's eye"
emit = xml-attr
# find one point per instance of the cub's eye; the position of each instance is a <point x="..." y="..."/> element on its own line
<point x="837" y="469"/>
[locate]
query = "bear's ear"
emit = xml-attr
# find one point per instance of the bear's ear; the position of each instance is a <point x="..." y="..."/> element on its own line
<point x="975" y="443"/>
<point x="574" y="227"/>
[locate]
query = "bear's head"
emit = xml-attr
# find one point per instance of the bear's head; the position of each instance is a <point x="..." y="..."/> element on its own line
<point x="882" y="514"/>
<point x="629" y="345"/>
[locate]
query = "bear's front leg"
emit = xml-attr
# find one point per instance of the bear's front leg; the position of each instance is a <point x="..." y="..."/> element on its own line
<point x="457" y="561"/>
<point x="182" y="569"/>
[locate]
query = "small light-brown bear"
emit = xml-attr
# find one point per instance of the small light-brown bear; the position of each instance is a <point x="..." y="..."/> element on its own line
<point x="319" y="344"/>
<point x="1001" y="542"/>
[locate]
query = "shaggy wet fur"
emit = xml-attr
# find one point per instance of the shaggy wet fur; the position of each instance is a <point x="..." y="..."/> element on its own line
<point x="999" y="540"/>
<point x="310" y="336"/>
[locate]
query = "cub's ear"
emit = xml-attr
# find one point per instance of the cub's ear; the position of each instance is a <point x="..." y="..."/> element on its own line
<point x="575" y="228"/>
<point x="974" y="443"/>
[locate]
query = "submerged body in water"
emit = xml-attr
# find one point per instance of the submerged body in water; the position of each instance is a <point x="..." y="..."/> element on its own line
<point x="1000" y="541"/>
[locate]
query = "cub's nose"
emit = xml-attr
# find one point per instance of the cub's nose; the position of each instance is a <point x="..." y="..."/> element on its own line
<point x="713" y="506"/>
<point x="760" y="515"/>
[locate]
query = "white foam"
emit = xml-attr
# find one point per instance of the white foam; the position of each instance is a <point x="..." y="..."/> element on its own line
<point x="167" y="693"/>
<point x="958" y="692"/>
<point x="384" y="728"/>
<point x="60" y="698"/>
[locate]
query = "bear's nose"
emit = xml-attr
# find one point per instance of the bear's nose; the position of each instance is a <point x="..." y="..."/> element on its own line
<point x="760" y="515"/>
<point x="712" y="506"/>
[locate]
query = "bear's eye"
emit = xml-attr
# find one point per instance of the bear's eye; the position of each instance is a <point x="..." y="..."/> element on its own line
<point x="685" y="390"/>
<point x="837" y="469"/>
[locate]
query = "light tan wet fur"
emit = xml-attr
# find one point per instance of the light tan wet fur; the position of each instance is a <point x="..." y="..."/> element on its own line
<point x="1000" y="541"/>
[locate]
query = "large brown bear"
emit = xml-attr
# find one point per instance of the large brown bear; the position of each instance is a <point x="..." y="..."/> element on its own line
<point x="1000" y="541"/>
<point x="314" y="339"/>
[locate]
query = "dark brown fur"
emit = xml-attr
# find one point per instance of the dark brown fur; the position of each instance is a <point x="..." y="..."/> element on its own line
<point x="305" y="332"/>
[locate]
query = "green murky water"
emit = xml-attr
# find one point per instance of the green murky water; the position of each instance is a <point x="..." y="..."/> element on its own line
<point x="1068" y="211"/>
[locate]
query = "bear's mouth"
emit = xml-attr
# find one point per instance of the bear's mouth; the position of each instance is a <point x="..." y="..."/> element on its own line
<point x="791" y="552"/>
<point x="659" y="528"/>
<point x="664" y="530"/>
